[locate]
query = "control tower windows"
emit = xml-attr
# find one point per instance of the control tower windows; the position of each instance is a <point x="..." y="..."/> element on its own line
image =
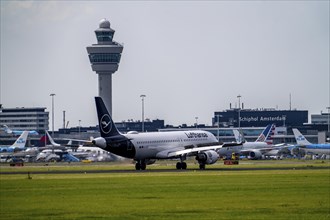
<point x="105" y="58"/>
<point x="104" y="36"/>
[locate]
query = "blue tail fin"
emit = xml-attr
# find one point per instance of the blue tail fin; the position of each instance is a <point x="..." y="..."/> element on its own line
<point x="267" y="134"/>
<point x="106" y="125"/>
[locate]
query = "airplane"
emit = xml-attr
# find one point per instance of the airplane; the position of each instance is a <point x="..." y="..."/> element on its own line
<point x="18" y="145"/>
<point x="307" y="147"/>
<point x="54" y="151"/>
<point x="145" y="148"/>
<point x="17" y="132"/>
<point x="256" y="149"/>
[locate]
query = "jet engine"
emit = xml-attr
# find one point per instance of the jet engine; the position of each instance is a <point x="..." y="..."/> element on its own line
<point x="207" y="157"/>
<point x="255" y="155"/>
<point x="150" y="161"/>
<point x="100" y="142"/>
<point x="297" y="151"/>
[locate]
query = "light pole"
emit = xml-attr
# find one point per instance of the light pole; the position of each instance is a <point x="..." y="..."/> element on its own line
<point x="196" y="121"/>
<point x="239" y="111"/>
<point x="218" y="116"/>
<point x="79" y="128"/>
<point x="52" y="95"/>
<point x="218" y="128"/>
<point x="142" y="97"/>
<point x="328" y="119"/>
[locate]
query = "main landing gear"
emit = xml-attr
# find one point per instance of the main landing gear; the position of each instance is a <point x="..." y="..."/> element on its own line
<point x="140" y="165"/>
<point x="202" y="166"/>
<point x="181" y="166"/>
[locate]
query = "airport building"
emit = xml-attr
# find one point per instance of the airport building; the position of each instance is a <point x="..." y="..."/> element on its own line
<point x="236" y="117"/>
<point x="25" y="118"/>
<point x="321" y="119"/>
<point x="124" y="127"/>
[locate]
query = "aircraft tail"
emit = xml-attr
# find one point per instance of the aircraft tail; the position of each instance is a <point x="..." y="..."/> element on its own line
<point x="51" y="140"/>
<point x="7" y="130"/>
<point x="267" y="134"/>
<point x="301" y="140"/>
<point x="106" y="125"/>
<point x="43" y="141"/>
<point x="239" y="138"/>
<point x="21" y="140"/>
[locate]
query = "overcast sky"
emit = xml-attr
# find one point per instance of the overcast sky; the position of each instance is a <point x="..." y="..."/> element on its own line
<point x="190" y="58"/>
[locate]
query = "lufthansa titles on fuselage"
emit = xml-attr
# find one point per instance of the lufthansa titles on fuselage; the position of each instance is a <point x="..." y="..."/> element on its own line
<point x="196" y="135"/>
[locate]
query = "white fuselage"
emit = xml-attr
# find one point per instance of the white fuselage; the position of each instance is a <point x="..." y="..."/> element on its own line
<point x="158" y="144"/>
<point x="227" y="151"/>
<point x="254" y="145"/>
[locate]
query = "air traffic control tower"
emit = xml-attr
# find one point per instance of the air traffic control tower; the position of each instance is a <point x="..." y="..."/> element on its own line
<point x="105" y="57"/>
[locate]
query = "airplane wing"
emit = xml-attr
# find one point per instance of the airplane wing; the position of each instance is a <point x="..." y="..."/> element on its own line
<point x="261" y="150"/>
<point x="264" y="150"/>
<point x="199" y="149"/>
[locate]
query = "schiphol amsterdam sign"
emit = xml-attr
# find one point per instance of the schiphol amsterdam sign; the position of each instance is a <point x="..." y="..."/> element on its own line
<point x="262" y="119"/>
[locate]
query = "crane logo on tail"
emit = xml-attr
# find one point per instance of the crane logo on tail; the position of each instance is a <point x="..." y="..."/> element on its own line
<point x="105" y="124"/>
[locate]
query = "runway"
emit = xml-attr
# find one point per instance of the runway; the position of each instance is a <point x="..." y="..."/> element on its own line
<point x="82" y="171"/>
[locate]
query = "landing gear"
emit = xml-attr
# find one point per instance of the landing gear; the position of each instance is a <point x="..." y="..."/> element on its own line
<point x="140" y="165"/>
<point x="181" y="165"/>
<point x="202" y="166"/>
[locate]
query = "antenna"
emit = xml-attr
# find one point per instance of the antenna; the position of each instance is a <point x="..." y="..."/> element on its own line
<point x="63" y="119"/>
<point x="290" y="101"/>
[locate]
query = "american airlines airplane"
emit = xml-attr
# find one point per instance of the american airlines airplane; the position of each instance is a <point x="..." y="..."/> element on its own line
<point x="145" y="148"/>
<point x="258" y="148"/>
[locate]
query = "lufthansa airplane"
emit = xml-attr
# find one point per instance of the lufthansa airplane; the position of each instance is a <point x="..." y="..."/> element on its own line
<point x="145" y="148"/>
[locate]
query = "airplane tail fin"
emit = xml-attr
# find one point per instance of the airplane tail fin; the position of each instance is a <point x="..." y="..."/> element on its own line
<point x="43" y="141"/>
<point x="301" y="140"/>
<point x="7" y="130"/>
<point x="239" y="138"/>
<point x="51" y="140"/>
<point x="21" y="140"/>
<point x="106" y="125"/>
<point x="267" y="134"/>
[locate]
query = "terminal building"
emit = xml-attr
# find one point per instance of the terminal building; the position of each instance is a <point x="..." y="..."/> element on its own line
<point x="260" y="117"/>
<point x="25" y="118"/>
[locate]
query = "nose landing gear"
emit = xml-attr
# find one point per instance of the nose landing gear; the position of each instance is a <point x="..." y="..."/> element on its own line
<point x="140" y="165"/>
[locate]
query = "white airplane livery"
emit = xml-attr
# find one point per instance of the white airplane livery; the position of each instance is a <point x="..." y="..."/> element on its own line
<point x="18" y="145"/>
<point x="261" y="146"/>
<point x="145" y="148"/>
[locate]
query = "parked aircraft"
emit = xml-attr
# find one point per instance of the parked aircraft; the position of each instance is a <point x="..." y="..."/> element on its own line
<point x="304" y="145"/>
<point x="256" y="149"/>
<point x="145" y="148"/>
<point x="17" y="132"/>
<point x="18" y="145"/>
<point x="95" y="154"/>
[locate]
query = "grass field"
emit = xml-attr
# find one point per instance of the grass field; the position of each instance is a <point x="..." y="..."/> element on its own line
<point x="267" y="194"/>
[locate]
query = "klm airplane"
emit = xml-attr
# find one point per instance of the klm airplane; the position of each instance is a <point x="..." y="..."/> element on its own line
<point x="17" y="132"/>
<point x="18" y="145"/>
<point x="307" y="147"/>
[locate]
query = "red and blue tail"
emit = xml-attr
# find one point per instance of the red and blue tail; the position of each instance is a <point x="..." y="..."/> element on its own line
<point x="267" y="134"/>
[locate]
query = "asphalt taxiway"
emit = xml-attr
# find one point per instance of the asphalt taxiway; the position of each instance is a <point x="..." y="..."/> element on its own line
<point x="82" y="171"/>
